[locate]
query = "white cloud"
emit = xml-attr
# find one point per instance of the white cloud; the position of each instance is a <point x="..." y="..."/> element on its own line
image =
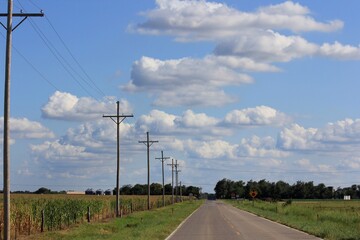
<point x="345" y="131"/>
<point x="195" y="124"/>
<point x="55" y="150"/>
<point x="254" y="147"/>
<point x="210" y="149"/>
<point x="184" y="81"/>
<point x="307" y="165"/>
<point x="297" y="137"/>
<point x="97" y="135"/>
<point x="246" y="41"/>
<point x="353" y="162"/>
<point x="198" y="20"/>
<point x="24" y="128"/>
<point x="341" y="136"/>
<point x="267" y="46"/>
<point x="157" y="121"/>
<point x="191" y="119"/>
<point x="243" y="63"/>
<point x="340" y="51"/>
<point x="65" y="106"/>
<point x="259" y="147"/>
<point x="260" y="115"/>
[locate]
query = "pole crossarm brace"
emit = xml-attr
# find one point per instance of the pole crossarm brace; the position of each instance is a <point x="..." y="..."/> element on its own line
<point x="23" y="15"/>
<point x="118" y="116"/>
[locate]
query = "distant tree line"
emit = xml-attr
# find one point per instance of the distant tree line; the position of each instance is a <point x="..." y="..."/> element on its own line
<point x="156" y="189"/>
<point x="227" y="188"/>
<point x="41" y="190"/>
<point x="137" y="189"/>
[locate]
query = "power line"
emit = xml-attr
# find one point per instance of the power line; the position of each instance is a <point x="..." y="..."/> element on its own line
<point x="73" y="57"/>
<point x="63" y="61"/>
<point x="32" y="66"/>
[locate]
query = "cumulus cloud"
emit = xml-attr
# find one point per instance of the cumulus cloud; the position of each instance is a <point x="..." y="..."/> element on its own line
<point x="184" y="81"/>
<point x="65" y="106"/>
<point x="267" y="46"/>
<point x="345" y="131"/>
<point x="254" y="147"/>
<point x="210" y="149"/>
<point x="260" y="115"/>
<point x="246" y="41"/>
<point x="97" y="136"/>
<point x="24" y="128"/>
<point x="341" y="136"/>
<point x="259" y="147"/>
<point x="199" y="20"/>
<point x="307" y="165"/>
<point x="340" y="51"/>
<point x="197" y="124"/>
<point x="297" y="137"/>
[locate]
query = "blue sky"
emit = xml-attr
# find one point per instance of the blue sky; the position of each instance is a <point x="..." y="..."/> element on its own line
<point x="232" y="89"/>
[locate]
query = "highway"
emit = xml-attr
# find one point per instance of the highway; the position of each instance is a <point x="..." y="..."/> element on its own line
<point x="215" y="220"/>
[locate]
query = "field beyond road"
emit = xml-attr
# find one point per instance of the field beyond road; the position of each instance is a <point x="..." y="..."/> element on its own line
<point x="331" y="219"/>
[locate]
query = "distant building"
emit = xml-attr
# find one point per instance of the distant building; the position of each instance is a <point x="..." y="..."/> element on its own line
<point x="72" y="192"/>
<point x="90" y="191"/>
<point x="99" y="192"/>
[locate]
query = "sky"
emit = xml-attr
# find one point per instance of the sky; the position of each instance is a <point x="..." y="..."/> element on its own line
<point x="231" y="89"/>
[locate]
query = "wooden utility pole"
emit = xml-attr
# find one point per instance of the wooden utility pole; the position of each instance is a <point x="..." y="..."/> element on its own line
<point x="148" y="144"/>
<point x="172" y="180"/>
<point x="118" y="119"/>
<point x="162" y="159"/>
<point x="180" y="192"/>
<point x="6" y="147"/>
<point x="177" y="180"/>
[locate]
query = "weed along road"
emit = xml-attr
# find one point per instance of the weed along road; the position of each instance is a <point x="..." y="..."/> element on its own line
<point x="218" y="221"/>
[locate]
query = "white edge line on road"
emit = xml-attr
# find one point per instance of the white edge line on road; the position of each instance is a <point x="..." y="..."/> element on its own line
<point x="182" y="223"/>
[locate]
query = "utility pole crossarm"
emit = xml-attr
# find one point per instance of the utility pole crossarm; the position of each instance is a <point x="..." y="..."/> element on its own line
<point x="24" y="15"/>
<point x="41" y="14"/>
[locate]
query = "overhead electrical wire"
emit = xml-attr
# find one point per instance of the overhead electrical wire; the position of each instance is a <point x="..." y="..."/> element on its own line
<point x="74" y="74"/>
<point x="32" y="66"/>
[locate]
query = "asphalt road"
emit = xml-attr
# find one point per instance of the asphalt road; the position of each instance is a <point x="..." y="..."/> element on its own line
<point x="218" y="221"/>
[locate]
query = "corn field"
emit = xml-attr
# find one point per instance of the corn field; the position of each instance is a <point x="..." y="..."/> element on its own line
<point x="32" y="213"/>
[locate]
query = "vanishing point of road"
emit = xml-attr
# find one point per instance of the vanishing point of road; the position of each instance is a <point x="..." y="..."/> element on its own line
<point x="219" y="221"/>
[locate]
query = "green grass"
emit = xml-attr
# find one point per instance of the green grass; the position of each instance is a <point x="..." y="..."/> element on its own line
<point x="154" y="224"/>
<point x="332" y="220"/>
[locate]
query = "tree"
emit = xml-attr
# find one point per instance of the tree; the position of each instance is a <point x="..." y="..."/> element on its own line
<point x="191" y="189"/>
<point x="222" y="188"/>
<point x="156" y="189"/>
<point x="168" y="189"/>
<point x="43" y="190"/>
<point x="139" y="189"/>
<point x="126" y="190"/>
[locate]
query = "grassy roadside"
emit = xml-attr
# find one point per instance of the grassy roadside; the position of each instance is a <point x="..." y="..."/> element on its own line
<point x="332" y="220"/>
<point x="155" y="224"/>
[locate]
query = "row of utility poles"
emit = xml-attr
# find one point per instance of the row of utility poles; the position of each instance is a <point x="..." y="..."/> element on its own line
<point x="118" y="119"/>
